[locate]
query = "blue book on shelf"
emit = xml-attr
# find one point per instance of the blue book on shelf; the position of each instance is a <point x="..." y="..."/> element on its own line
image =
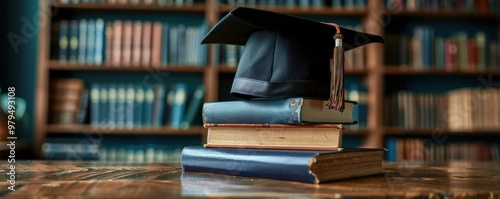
<point x="138" y="106"/>
<point x="275" y="111"/>
<point x="165" y="44"/>
<point x="390" y="143"/>
<point x="94" y="104"/>
<point x="82" y="39"/>
<point x="169" y="102"/>
<point x="120" y="106"/>
<point x="149" y="95"/>
<point x="179" y="104"/>
<point x="90" y="41"/>
<point x="112" y="106"/>
<point x="103" y="105"/>
<point x="129" y="106"/>
<point x="158" y="105"/>
<point x="73" y="41"/>
<point x="291" y="165"/>
<point x="194" y="106"/>
<point x="63" y="40"/>
<point x="99" y="42"/>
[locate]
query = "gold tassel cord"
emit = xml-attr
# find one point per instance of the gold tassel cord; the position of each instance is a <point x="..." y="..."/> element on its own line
<point x="336" y="100"/>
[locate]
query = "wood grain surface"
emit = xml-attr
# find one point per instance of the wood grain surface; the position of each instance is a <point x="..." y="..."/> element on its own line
<point x="62" y="179"/>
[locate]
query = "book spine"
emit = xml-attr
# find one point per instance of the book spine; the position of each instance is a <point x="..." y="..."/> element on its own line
<point x="117" y="43"/>
<point x="165" y="43"/>
<point x="73" y="41"/>
<point x="109" y="43"/>
<point x="136" y="43"/>
<point x="63" y="40"/>
<point x="103" y="105"/>
<point x="156" y="45"/>
<point x="90" y="41"/>
<point x="127" y="43"/>
<point x="99" y="42"/>
<point x="282" y="111"/>
<point x="158" y="105"/>
<point x="138" y="106"/>
<point x="82" y="39"/>
<point x="129" y="107"/>
<point x="120" y="106"/>
<point x="94" y="105"/>
<point x="194" y="106"/>
<point x="146" y="44"/>
<point x="112" y="106"/>
<point x="179" y="104"/>
<point x="149" y="95"/>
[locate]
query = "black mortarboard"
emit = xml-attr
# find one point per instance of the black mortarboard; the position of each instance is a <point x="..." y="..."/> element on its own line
<point x="286" y="56"/>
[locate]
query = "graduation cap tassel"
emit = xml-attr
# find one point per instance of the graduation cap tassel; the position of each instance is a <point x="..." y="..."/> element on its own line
<point x="336" y="100"/>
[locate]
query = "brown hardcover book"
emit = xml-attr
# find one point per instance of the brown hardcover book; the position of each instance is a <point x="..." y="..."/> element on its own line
<point x="275" y="136"/>
<point x="127" y="43"/>
<point x="472" y="55"/>
<point x="136" y="43"/>
<point x="66" y="84"/>
<point x="146" y="44"/>
<point x="156" y="45"/>
<point x="109" y="44"/>
<point x="117" y="43"/>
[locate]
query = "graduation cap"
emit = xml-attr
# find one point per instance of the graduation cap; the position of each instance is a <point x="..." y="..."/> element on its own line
<point x="287" y="56"/>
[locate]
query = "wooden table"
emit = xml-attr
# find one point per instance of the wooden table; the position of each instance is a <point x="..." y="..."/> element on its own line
<point x="120" y="180"/>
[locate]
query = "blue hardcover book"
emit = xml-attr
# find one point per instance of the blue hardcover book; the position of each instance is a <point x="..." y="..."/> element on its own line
<point x="129" y="106"/>
<point x="120" y="106"/>
<point x="94" y="105"/>
<point x="179" y="104"/>
<point x="103" y="105"/>
<point x="169" y="101"/>
<point x="292" y="165"/>
<point x="90" y="41"/>
<point x="181" y="44"/>
<point x="165" y="44"/>
<point x="138" y="106"/>
<point x="82" y="39"/>
<point x="275" y="111"/>
<point x="149" y="95"/>
<point x="158" y="105"/>
<point x="112" y="106"/>
<point x="99" y="42"/>
<point x="390" y="143"/>
<point x="194" y="106"/>
<point x="173" y="47"/>
<point x="73" y="41"/>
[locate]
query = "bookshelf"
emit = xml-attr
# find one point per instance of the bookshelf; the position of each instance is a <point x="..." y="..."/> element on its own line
<point x="376" y="74"/>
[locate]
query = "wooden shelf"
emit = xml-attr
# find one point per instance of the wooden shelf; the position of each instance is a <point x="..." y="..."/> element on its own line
<point x="447" y="15"/>
<point x="398" y="70"/>
<point x="165" y="130"/>
<point x="196" y="8"/>
<point x="62" y="66"/>
<point x="304" y="11"/>
<point x="395" y="131"/>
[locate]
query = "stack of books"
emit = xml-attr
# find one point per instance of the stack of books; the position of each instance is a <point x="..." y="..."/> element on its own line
<point x="294" y="139"/>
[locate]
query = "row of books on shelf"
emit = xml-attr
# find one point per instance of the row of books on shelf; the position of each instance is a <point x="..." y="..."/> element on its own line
<point x="445" y="5"/>
<point x="460" y="52"/>
<point x="125" y="43"/>
<point x="344" y="4"/>
<point x="418" y="149"/>
<point x="137" y="106"/>
<point x="124" y="106"/>
<point x="132" y="2"/>
<point x="129" y="153"/>
<point x="463" y="109"/>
